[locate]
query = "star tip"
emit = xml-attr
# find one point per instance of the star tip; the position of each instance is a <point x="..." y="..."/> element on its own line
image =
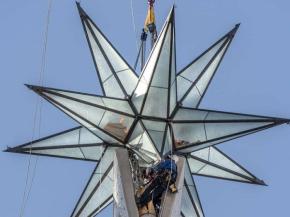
<point x="237" y="25"/>
<point x="8" y="149"/>
<point x="29" y="86"/>
<point x="78" y="3"/>
<point x="261" y="182"/>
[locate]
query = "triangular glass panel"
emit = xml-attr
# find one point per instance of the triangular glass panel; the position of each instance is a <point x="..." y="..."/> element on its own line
<point x="96" y="112"/>
<point x="168" y="148"/>
<point x="213" y="163"/>
<point x="76" y="143"/>
<point x="99" y="190"/>
<point x="156" y="131"/>
<point x="117" y="78"/>
<point x="191" y="193"/>
<point x="158" y="76"/>
<point x="142" y="142"/>
<point x="193" y="127"/>
<point x="194" y="79"/>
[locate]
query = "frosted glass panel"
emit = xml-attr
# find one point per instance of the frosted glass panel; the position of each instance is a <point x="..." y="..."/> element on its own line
<point x="192" y="71"/>
<point x="88" y="201"/>
<point x="187" y="208"/>
<point x="182" y="86"/>
<point x="208" y="144"/>
<point x="189" y="114"/>
<point x="63" y="152"/>
<point x="216" y="130"/>
<point x="156" y="76"/>
<point x="99" y="101"/>
<point x="156" y="103"/>
<point x="200" y="168"/>
<point x="102" y="65"/>
<point x="215" y="156"/>
<point x="112" y="88"/>
<point x="128" y="79"/>
<point x="192" y="190"/>
<point x="141" y="140"/>
<point x="185" y="134"/>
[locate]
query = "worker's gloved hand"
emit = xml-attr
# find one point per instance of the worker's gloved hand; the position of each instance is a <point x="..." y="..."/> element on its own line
<point x="173" y="188"/>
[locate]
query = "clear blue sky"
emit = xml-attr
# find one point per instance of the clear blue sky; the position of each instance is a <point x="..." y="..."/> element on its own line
<point x="253" y="78"/>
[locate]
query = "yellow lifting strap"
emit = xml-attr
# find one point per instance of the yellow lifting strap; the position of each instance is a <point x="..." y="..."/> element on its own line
<point x="150" y="19"/>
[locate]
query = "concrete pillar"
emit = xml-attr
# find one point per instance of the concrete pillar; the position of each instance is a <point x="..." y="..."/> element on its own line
<point x="171" y="206"/>
<point x="124" y="197"/>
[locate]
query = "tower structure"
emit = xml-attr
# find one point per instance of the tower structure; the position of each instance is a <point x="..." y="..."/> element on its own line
<point x="144" y="117"/>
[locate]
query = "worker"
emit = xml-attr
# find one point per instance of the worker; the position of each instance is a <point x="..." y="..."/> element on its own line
<point x="165" y="174"/>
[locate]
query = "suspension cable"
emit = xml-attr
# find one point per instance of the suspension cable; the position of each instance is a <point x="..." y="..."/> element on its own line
<point x="134" y="23"/>
<point x="37" y="112"/>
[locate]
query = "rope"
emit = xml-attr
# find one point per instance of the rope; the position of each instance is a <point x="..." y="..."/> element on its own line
<point x="134" y="23"/>
<point x="171" y="169"/>
<point x="37" y="112"/>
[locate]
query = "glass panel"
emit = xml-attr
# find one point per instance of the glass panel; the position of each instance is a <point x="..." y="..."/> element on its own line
<point x="172" y="97"/>
<point x="168" y="142"/>
<point x="103" y="192"/>
<point x="192" y="71"/>
<point x="156" y="103"/>
<point x="70" y="137"/>
<point x="128" y="79"/>
<point x="119" y="105"/>
<point x="199" y="114"/>
<point x="112" y="88"/>
<point x="231" y="116"/>
<point x="182" y="86"/>
<point x="216" y="130"/>
<point x="140" y="140"/>
<point x="125" y="74"/>
<point x="189" y="114"/>
<point x="136" y="136"/>
<point x="192" y="99"/>
<point x="102" y="65"/>
<point x="92" y="153"/>
<point x="60" y="152"/>
<point x="76" y="118"/>
<point x="161" y="74"/>
<point x="106" y="185"/>
<point x="87" y="137"/>
<point x="100" y="209"/>
<point x="215" y="156"/>
<point x="98" y="117"/>
<point x="207" y="76"/>
<point x="91" y="113"/>
<point x="149" y="67"/>
<point x="210" y="170"/>
<point x="115" y="104"/>
<point x="187" y="207"/>
<point x="185" y="134"/>
<point x="115" y="124"/>
<point x="208" y="144"/>
<point x="192" y="190"/>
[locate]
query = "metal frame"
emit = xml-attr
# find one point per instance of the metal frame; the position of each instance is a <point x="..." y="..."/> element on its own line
<point x="188" y="191"/>
<point x="137" y="116"/>
<point x="94" y="189"/>
<point x="253" y="180"/>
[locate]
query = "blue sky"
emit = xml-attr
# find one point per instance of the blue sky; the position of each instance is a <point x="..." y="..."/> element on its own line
<point x="253" y="78"/>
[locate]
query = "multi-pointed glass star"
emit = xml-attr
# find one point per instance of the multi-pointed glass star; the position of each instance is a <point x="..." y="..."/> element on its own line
<point x="152" y="115"/>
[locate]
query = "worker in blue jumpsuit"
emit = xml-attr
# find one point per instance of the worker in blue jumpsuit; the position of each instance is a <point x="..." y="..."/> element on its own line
<point x="165" y="175"/>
